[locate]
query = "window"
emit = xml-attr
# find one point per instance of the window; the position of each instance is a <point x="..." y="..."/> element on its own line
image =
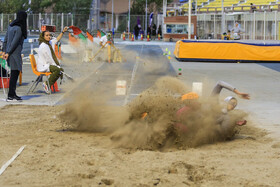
<point x="178" y="28"/>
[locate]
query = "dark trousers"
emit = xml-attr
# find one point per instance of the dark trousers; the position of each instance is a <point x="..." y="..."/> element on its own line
<point x="13" y="83"/>
<point x="55" y="74"/>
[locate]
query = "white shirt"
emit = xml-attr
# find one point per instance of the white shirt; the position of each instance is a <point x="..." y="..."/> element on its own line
<point x="236" y="32"/>
<point x="104" y="40"/>
<point x="45" y="58"/>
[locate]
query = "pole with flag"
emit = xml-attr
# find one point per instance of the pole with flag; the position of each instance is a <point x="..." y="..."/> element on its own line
<point x="151" y="18"/>
<point x="89" y="36"/>
<point x="78" y="32"/>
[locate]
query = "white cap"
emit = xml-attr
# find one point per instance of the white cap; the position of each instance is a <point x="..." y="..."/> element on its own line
<point x="229" y="98"/>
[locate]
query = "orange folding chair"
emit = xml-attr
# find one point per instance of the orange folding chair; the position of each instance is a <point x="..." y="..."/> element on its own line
<point x="39" y="74"/>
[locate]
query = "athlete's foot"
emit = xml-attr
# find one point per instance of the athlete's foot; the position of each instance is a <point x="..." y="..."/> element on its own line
<point x="241" y="123"/>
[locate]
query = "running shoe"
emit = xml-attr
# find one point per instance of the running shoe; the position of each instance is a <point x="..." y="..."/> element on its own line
<point x="46" y="88"/>
<point x="19" y="99"/>
<point x="15" y="98"/>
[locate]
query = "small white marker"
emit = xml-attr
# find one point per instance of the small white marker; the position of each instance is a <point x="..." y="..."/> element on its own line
<point x="197" y="87"/>
<point x="121" y="87"/>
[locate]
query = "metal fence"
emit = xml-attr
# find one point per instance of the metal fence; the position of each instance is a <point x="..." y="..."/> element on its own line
<point x="257" y="25"/>
<point x="34" y="21"/>
<point x="121" y="22"/>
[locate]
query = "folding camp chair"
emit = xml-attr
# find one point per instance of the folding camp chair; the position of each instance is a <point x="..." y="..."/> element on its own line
<point x="39" y="74"/>
<point x="4" y="65"/>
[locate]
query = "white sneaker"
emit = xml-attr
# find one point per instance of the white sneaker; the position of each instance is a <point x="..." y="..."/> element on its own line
<point x="46" y="88"/>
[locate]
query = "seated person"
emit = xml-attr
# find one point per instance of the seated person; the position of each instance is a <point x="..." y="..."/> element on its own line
<point x="237" y="31"/>
<point x="229" y="35"/>
<point x="103" y="40"/>
<point x="47" y="61"/>
<point x="253" y="7"/>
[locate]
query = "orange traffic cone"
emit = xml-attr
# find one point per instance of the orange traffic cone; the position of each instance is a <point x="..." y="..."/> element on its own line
<point x="123" y="35"/>
<point x="158" y="36"/>
<point x="148" y="38"/>
<point x="132" y="37"/>
<point x="142" y="37"/>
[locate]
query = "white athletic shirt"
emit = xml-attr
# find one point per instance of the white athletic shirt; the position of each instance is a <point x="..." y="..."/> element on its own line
<point x="104" y="40"/>
<point x="45" y="56"/>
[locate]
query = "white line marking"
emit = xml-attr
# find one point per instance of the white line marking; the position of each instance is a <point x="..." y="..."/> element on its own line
<point x="11" y="160"/>
<point x="133" y="74"/>
<point x="116" y="74"/>
<point x="144" y="43"/>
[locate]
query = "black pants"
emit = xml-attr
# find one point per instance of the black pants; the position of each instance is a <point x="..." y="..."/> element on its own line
<point x="13" y="83"/>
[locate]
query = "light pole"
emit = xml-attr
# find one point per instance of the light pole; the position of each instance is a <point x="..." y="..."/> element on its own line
<point x="196" y="7"/>
<point x="129" y="16"/>
<point x="112" y="23"/>
<point x="223" y="18"/>
<point x="164" y="15"/>
<point x="189" y="24"/>
<point x="146" y="20"/>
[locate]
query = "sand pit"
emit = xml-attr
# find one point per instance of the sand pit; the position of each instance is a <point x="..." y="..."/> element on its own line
<point x="54" y="157"/>
<point x="163" y="128"/>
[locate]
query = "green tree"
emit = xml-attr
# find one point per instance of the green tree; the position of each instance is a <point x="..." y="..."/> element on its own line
<point x="72" y="6"/>
<point x="13" y="6"/>
<point x="139" y="6"/>
<point x="38" y="6"/>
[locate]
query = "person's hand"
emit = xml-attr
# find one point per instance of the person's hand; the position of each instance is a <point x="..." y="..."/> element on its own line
<point x="6" y="56"/>
<point x="65" y="29"/>
<point x="244" y="96"/>
<point x="1" y="53"/>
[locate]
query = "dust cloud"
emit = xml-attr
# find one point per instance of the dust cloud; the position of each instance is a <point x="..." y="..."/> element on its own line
<point x="170" y="122"/>
<point x="197" y="122"/>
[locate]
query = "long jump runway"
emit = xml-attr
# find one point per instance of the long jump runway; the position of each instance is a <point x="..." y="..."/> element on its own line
<point x="142" y="65"/>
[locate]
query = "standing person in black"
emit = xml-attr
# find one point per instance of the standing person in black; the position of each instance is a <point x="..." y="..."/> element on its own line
<point x="17" y="32"/>
<point x="136" y="31"/>
<point x="154" y="31"/>
<point x="149" y="31"/>
<point x="159" y="32"/>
